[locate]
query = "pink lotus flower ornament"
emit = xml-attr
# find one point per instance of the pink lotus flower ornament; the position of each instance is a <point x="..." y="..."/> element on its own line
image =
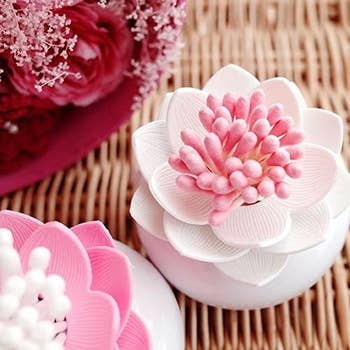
<point x="64" y="288"/>
<point x="242" y="174"/>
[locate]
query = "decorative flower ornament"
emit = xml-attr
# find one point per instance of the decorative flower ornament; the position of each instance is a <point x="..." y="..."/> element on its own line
<point x="64" y="288"/>
<point x="242" y="173"/>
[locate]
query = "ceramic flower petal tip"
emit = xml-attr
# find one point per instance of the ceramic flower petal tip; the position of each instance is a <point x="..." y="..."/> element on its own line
<point x="21" y="225"/>
<point x="319" y="168"/>
<point x="135" y="336"/>
<point x="111" y="273"/>
<point x="338" y="197"/>
<point x="281" y="91"/>
<point x="147" y="212"/>
<point x="183" y="113"/>
<point x="256" y="267"/>
<point x="93" y="234"/>
<point x="93" y="323"/>
<point x="190" y="207"/>
<point x="231" y="78"/>
<point x="258" y="225"/>
<point x="309" y="228"/>
<point x="151" y="147"/>
<point x="198" y="242"/>
<point x="69" y="258"/>
<point x="323" y="128"/>
<point x="163" y="111"/>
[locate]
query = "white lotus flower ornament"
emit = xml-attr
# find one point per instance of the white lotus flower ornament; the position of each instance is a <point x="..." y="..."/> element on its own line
<point x="240" y="174"/>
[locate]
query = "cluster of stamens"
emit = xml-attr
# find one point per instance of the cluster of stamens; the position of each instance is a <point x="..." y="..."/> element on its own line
<point x="33" y="305"/>
<point x="247" y="155"/>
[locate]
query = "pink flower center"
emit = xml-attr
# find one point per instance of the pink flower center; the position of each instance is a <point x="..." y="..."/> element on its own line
<point x="249" y="152"/>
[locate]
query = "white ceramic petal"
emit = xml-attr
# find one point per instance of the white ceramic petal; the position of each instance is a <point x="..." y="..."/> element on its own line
<point x="183" y="112"/>
<point x="198" y="242"/>
<point x="338" y="197"/>
<point x="319" y="167"/>
<point x="281" y="90"/>
<point x="164" y="106"/>
<point x="231" y="78"/>
<point x="190" y="207"/>
<point x="151" y="147"/>
<point x="309" y="228"/>
<point x="298" y="94"/>
<point x="259" y="225"/>
<point x="256" y="267"/>
<point x="323" y="128"/>
<point x="146" y="211"/>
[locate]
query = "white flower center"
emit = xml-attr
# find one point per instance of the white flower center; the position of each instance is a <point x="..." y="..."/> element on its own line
<point x="33" y="305"/>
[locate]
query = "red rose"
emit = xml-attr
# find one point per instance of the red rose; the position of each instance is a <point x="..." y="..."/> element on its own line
<point x="25" y="126"/>
<point x="101" y="56"/>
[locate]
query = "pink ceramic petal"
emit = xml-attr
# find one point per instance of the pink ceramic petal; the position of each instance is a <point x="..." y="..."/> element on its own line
<point x="323" y="128"/>
<point x="190" y="207"/>
<point x="146" y="211"/>
<point x="256" y="267"/>
<point x="21" y="225"/>
<point x="259" y="225"/>
<point x="231" y="78"/>
<point x="281" y="90"/>
<point x="199" y="242"/>
<point x="93" y="234"/>
<point x="135" y="335"/>
<point x="319" y="169"/>
<point x="183" y="112"/>
<point x="151" y="147"/>
<point x="338" y="197"/>
<point x="111" y="274"/>
<point x="309" y="228"/>
<point x="69" y="258"/>
<point x="93" y="323"/>
<point x="83" y="130"/>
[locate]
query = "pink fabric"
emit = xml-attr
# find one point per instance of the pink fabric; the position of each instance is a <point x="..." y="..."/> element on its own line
<point x="83" y="130"/>
<point x="98" y="280"/>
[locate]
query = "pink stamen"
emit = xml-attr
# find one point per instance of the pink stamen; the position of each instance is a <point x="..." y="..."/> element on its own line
<point x="177" y="164"/>
<point x="187" y="183"/>
<point x="229" y="102"/>
<point x="275" y="112"/>
<point x="242" y="108"/>
<point x="223" y="112"/>
<point x="257" y="98"/>
<point x="193" y="160"/>
<point x="221" y="128"/>
<point x="213" y="146"/>
<point x="250" y="152"/>
<point x="207" y="117"/>
<point x="213" y="102"/>
<point x="246" y="144"/>
<point x="236" y="131"/>
<point x="282" y="190"/>
<point x="232" y="164"/>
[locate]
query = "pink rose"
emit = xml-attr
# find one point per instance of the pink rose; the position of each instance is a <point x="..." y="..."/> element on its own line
<point x="101" y="56"/>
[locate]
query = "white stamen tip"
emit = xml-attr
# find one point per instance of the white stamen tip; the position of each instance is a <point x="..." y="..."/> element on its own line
<point x="54" y="285"/>
<point x="59" y="307"/>
<point x="6" y="237"/>
<point x="27" y="317"/>
<point x="35" y="280"/>
<point x="44" y="332"/>
<point x="11" y="337"/>
<point x="8" y="306"/>
<point x="39" y="258"/>
<point x="15" y="285"/>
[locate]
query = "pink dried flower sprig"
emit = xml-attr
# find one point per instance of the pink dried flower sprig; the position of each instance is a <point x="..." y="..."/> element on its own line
<point x="249" y="152"/>
<point x="36" y="37"/>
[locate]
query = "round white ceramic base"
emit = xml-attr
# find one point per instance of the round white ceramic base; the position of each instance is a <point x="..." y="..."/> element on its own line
<point x="204" y="282"/>
<point x="155" y="304"/>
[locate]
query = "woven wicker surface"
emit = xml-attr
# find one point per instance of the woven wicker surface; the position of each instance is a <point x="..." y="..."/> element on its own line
<point x="307" y="41"/>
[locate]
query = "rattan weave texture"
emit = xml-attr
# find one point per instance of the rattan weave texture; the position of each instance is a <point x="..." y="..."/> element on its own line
<point x="307" y="41"/>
